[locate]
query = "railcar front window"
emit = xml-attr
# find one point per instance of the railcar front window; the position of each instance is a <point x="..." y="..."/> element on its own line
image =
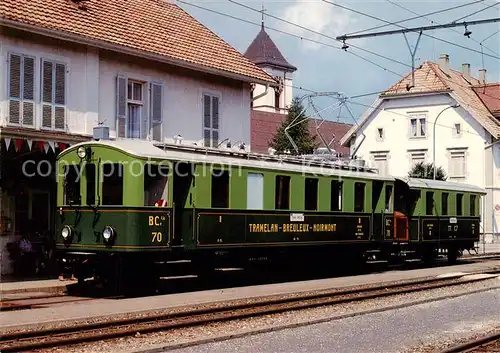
<point x="112" y="184"/>
<point x="155" y="185"/>
<point x="90" y="179"/>
<point x="71" y="184"/>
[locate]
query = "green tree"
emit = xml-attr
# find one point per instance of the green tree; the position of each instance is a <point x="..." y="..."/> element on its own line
<point x="299" y="132"/>
<point x="426" y="171"/>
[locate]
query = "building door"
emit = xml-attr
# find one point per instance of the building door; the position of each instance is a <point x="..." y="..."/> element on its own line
<point x="40" y="210"/>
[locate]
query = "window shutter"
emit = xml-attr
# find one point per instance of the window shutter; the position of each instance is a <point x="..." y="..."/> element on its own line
<point x="156" y="108"/>
<point x="14" y="89"/>
<point x="47" y="94"/>
<point x="206" y="112"/>
<point x="121" y="105"/>
<point x="28" y="91"/>
<point x="60" y="97"/>
<point x="215" y="112"/>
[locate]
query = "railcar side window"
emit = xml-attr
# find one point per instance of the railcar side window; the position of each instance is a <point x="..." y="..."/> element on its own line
<point x="71" y="184"/>
<point x="282" y="194"/>
<point x="444" y="203"/>
<point x="112" y="184"/>
<point x="359" y="197"/>
<point x="336" y="196"/>
<point x="220" y="188"/>
<point x="255" y="191"/>
<point x="311" y="194"/>
<point x="388" y="198"/>
<point x="460" y="201"/>
<point x="155" y="185"/>
<point x="429" y="203"/>
<point x="472" y="205"/>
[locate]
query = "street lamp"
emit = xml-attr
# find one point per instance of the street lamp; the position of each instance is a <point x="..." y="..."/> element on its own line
<point x="434" y="139"/>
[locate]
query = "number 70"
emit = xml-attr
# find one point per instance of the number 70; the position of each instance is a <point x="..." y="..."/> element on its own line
<point x="157" y="236"/>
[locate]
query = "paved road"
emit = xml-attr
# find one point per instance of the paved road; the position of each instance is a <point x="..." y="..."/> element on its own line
<point x="386" y="332"/>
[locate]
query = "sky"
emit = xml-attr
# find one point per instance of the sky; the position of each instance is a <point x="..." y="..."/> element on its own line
<point x="322" y="68"/>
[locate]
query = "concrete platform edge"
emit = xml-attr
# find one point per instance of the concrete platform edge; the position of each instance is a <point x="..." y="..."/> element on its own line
<point x="251" y="332"/>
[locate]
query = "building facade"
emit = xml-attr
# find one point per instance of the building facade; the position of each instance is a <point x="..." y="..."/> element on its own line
<point x="69" y="66"/>
<point x="437" y="117"/>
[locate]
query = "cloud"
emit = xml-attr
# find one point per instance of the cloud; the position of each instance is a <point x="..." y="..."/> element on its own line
<point x="318" y="16"/>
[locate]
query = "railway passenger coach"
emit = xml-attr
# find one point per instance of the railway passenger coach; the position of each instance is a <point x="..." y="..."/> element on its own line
<point x="127" y="206"/>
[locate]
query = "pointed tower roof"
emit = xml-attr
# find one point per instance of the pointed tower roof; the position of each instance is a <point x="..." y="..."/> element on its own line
<point x="263" y="51"/>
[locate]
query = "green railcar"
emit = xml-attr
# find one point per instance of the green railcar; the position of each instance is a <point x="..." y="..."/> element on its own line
<point x="126" y="206"/>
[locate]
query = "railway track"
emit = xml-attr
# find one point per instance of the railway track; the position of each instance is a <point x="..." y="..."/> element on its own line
<point x="486" y="344"/>
<point x="74" y="334"/>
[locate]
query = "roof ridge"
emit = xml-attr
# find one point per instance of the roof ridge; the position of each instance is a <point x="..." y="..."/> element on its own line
<point x="438" y="72"/>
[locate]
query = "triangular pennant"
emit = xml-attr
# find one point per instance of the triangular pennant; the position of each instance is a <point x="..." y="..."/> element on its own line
<point x="62" y="146"/>
<point x="40" y="145"/>
<point x="30" y="143"/>
<point x="7" y="142"/>
<point x="46" y="147"/>
<point x="18" y="143"/>
<point x="51" y="144"/>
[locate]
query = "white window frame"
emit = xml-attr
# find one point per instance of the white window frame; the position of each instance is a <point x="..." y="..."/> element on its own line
<point x="418" y="117"/>
<point x="53" y="103"/>
<point x="417" y="156"/>
<point x="217" y="95"/>
<point x="452" y="173"/>
<point x="255" y="191"/>
<point x="21" y="99"/>
<point x="381" y="156"/>
<point x="135" y="102"/>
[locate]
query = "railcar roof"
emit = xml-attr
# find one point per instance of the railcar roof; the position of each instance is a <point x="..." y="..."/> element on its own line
<point x="415" y="183"/>
<point x="150" y="150"/>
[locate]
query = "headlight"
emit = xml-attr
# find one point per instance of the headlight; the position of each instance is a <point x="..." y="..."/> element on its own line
<point x="108" y="233"/>
<point x="81" y="152"/>
<point x="66" y="232"/>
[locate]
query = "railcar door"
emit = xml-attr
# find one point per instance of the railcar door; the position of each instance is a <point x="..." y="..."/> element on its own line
<point x="183" y="178"/>
<point x="400" y="226"/>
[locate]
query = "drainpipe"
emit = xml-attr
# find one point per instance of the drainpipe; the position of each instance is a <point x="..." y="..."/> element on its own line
<point x="262" y="94"/>
<point x="490" y="145"/>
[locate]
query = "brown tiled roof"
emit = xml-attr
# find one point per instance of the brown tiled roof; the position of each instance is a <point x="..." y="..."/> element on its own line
<point x="147" y="27"/>
<point x="265" y="124"/>
<point x="262" y="50"/>
<point x="429" y="78"/>
<point x="490" y="95"/>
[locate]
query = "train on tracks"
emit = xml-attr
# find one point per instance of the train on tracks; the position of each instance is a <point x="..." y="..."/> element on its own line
<point x="127" y="208"/>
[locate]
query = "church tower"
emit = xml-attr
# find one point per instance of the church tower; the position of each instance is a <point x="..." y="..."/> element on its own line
<point x="266" y="55"/>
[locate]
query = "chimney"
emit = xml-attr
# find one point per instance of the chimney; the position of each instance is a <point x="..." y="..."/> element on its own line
<point x="466" y="71"/>
<point x="444" y="63"/>
<point x="482" y="76"/>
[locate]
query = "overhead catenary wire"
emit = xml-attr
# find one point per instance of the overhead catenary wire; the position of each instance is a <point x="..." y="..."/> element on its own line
<point x="416" y="17"/>
<point x="432" y="21"/>
<point x="476" y="12"/>
<point x="404" y="29"/>
<point x="293" y="35"/>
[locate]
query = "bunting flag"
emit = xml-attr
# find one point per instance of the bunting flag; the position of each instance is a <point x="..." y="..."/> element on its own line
<point x="62" y="146"/>
<point x="52" y="145"/>
<point x="30" y="143"/>
<point x="7" y="142"/>
<point x="18" y="144"/>
<point x="46" y="147"/>
<point x="40" y="145"/>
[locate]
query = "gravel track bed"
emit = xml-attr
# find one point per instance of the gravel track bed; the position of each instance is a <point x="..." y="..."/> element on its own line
<point x="176" y="336"/>
<point x="181" y="309"/>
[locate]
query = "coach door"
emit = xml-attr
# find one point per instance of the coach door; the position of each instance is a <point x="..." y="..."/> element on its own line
<point x="183" y="177"/>
<point x="400" y="226"/>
